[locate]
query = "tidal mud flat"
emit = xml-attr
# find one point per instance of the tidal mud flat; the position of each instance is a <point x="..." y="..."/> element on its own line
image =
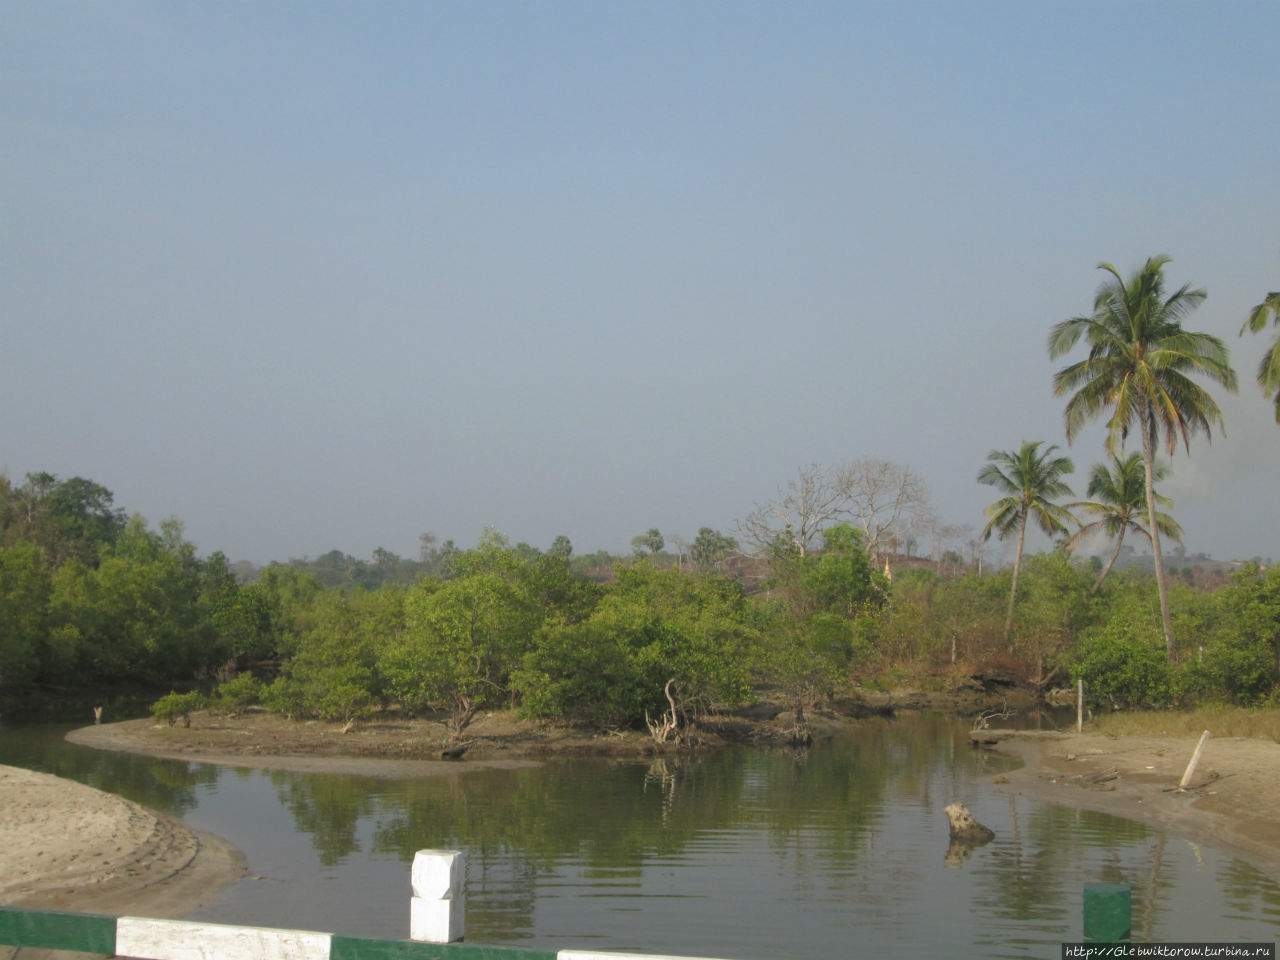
<point x="1231" y="802"/>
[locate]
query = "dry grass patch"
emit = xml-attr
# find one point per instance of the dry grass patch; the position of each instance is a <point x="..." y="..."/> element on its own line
<point x="1221" y="721"/>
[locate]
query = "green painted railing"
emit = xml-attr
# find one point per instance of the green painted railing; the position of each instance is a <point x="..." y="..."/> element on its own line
<point x="1106" y="919"/>
<point x="51" y="930"/>
<point x="87" y="933"/>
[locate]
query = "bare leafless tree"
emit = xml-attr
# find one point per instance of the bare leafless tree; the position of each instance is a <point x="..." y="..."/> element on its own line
<point x="976" y="547"/>
<point x="881" y="497"/>
<point x="949" y="538"/>
<point x="811" y="501"/>
<point x="922" y="528"/>
<point x="681" y="549"/>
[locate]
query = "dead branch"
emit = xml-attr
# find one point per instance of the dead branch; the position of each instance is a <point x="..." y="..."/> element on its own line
<point x="667" y="724"/>
<point x="983" y="720"/>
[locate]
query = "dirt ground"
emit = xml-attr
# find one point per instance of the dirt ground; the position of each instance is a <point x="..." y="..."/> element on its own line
<point x="389" y="747"/>
<point x="399" y="746"/>
<point x="1231" y="803"/>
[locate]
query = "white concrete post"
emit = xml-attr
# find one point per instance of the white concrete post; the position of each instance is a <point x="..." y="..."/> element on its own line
<point x="437" y="910"/>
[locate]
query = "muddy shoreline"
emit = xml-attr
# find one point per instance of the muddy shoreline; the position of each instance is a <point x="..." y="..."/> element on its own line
<point x="1231" y="802"/>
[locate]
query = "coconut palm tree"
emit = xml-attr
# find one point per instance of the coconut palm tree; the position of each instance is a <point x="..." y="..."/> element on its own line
<point x="1139" y="370"/>
<point x="1031" y="481"/>
<point x="1269" y="368"/>
<point x="1119" y="505"/>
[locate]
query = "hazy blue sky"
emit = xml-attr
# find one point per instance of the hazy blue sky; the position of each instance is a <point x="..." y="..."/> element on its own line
<point x="314" y="275"/>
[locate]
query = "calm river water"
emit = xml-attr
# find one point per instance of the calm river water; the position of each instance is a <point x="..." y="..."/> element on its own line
<point x="839" y="850"/>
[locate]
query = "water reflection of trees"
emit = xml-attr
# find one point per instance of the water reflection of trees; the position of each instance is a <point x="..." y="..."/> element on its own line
<point x="549" y="815"/>
<point x="1249" y="892"/>
<point x="606" y="820"/>
<point x="168" y="786"/>
<point x="521" y="826"/>
<point x="329" y="808"/>
<point x="1021" y="881"/>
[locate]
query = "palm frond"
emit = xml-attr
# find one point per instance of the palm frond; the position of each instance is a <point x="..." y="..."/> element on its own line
<point x="1166" y="525"/>
<point x="1003" y="517"/>
<point x="1269" y="374"/>
<point x="1258" y="315"/>
<point x="1065" y="335"/>
<point x="1031" y="480"/>
<point x="1139" y="361"/>
<point x="1052" y="518"/>
<point x="1269" y="367"/>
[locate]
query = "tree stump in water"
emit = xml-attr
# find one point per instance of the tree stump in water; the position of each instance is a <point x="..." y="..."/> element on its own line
<point x="966" y="829"/>
<point x="798" y="736"/>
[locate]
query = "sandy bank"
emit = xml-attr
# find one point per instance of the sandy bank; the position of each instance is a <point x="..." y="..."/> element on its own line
<point x="1232" y="802"/>
<point x="65" y="846"/>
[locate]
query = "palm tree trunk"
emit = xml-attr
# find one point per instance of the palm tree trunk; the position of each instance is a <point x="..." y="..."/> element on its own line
<point x="1110" y="563"/>
<point x="1148" y="457"/>
<point x="1013" y="591"/>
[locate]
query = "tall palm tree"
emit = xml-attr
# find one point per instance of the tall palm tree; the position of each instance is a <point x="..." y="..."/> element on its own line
<point x="1269" y="368"/>
<point x="1139" y="370"/>
<point x="1031" y="481"/>
<point x="1119" y="505"/>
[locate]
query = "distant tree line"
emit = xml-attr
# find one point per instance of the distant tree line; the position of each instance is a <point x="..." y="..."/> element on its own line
<point x="89" y="596"/>
<point x="505" y="626"/>
<point x="805" y="600"/>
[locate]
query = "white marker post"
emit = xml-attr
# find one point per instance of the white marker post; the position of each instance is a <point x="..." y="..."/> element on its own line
<point x="1080" y="705"/>
<point x="437" y="910"/>
<point x="1195" y="759"/>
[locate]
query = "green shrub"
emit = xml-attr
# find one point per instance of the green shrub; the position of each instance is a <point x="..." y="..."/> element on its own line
<point x="1123" y="669"/>
<point x="173" y="706"/>
<point x="285" y="696"/>
<point x="243" y="691"/>
<point x="581" y="672"/>
<point x="342" y="692"/>
<point x="1236" y="671"/>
